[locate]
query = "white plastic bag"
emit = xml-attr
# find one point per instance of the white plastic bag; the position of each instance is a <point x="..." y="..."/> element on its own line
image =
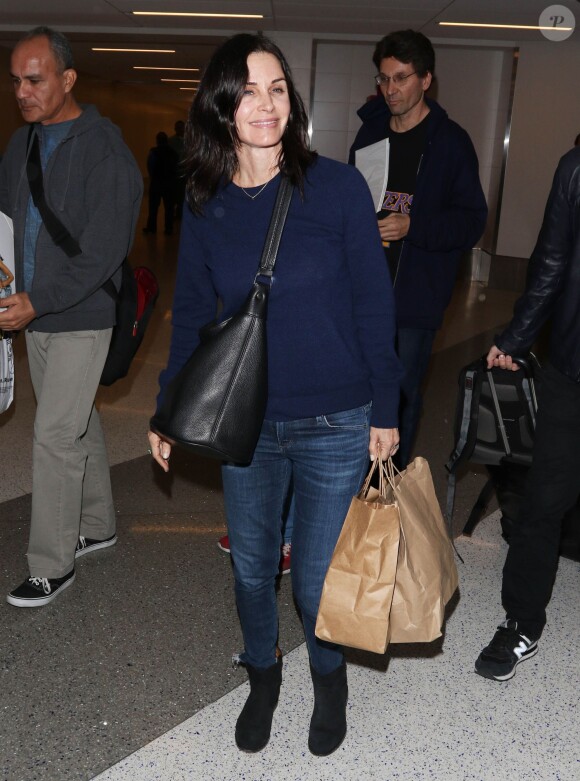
<point x="7" y="287"/>
<point x="6" y="373"/>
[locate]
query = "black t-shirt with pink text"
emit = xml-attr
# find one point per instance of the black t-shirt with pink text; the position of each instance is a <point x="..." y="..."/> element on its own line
<point x="405" y="154"/>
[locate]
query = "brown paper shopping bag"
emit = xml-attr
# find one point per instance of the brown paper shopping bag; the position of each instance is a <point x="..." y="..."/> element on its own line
<point x="358" y="589"/>
<point x="426" y="573"/>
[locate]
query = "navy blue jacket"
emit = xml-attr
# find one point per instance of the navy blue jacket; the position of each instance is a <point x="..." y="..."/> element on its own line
<point x="447" y="216"/>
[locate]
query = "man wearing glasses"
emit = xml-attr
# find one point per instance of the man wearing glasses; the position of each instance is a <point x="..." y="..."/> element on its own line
<point x="433" y="209"/>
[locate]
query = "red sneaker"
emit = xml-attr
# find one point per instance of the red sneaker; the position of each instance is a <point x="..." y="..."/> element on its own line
<point x="285" y="559"/>
<point x="224" y="543"/>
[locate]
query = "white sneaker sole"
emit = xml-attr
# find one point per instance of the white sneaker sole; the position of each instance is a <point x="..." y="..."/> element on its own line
<point x="95" y="546"/>
<point x="40" y="601"/>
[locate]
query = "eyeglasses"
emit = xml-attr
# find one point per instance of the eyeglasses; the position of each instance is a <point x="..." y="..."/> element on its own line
<point x="383" y="81"/>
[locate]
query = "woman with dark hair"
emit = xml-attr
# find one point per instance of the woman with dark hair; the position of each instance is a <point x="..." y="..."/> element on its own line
<point x="333" y="379"/>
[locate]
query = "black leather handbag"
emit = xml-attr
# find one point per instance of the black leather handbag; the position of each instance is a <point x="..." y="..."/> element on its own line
<point x="215" y="405"/>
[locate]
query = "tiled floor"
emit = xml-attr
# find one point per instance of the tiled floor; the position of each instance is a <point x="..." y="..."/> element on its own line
<point x="416" y="713"/>
<point x="140" y="646"/>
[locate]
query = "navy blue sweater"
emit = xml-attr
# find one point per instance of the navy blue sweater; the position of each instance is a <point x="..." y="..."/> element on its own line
<point x="447" y="216"/>
<point x="331" y="312"/>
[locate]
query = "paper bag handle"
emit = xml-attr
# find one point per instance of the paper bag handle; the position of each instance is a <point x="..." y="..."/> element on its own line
<point x="386" y="477"/>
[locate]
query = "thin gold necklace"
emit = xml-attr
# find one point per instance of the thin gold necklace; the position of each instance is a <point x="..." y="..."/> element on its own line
<point x="261" y="190"/>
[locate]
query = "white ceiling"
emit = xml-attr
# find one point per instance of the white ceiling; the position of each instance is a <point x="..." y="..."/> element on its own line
<point x="111" y="23"/>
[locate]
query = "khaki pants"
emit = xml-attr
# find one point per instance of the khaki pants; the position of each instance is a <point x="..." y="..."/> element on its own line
<point x="71" y="486"/>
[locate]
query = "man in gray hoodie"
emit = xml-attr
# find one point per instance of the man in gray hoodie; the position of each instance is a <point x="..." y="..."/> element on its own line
<point x="93" y="185"/>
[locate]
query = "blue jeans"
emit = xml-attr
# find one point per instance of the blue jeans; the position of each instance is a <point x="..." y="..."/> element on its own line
<point x="325" y="459"/>
<point x="288" y="518"/>
<point x="414" y="350"/>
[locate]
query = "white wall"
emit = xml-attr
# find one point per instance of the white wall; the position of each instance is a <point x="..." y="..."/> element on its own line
<point x="473" y="86"/>
<point x="545" y="122"/>
<point x="343" y="79"/>
<point x="297" y="48"/>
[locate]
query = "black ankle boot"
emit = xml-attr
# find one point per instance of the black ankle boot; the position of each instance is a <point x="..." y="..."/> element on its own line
<point x="255" y="721"/>
<point x="328" y="723"/>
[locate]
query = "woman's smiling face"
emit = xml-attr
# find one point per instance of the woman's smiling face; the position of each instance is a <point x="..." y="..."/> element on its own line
<point x="264" y="109"/>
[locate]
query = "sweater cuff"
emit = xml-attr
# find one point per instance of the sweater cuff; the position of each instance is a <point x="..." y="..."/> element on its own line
<point x="385" y="411"/>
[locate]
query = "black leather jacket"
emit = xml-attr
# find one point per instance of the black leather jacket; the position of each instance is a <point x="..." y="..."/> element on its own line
<point x="553" y="278"/>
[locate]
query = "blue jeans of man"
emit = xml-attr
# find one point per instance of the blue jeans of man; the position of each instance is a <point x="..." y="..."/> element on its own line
<point x="325" y="458"/>
<point x="414" y="347"/>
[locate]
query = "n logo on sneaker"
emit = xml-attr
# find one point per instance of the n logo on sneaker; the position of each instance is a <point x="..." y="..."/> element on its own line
<point x="520" y="650"/>
<point x="524" y="647"/>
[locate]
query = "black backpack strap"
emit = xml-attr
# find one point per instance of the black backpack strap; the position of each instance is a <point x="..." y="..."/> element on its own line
<point x="450" y="503"/>
<point x="58" y="233"/>
<point x="470" y="392"/>
<point x="498" y="415"/>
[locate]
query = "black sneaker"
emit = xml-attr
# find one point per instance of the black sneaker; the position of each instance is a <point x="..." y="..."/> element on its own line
<point x="86" y="545"/>
<point x="498" y="661"/>
<point x="35" y="592"/>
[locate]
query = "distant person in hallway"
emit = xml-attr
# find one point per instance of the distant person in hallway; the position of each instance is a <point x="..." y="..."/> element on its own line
<point x="553" y="481"/>
<point x="162" y="167"/>
<point x="93" y="184"/>
<point x="177" y="143"/>
<point x="333" y="373"/>
<point x="433" y="209"/>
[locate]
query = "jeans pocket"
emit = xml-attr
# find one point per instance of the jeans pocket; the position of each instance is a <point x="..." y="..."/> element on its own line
<point x="354" y="419"/>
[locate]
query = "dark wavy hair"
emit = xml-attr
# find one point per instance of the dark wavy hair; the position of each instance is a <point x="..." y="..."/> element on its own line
<point x="211" y="138"/>
<point x="407" y="46"/>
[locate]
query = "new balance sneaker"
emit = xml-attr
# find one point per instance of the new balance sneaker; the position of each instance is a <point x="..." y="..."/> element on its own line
<point x="509" y="647"/>
<point x="86" y="545"/>
<point x="285" y="558"/>
<point x="224" y="543"/>
<point x="36" y="592"/>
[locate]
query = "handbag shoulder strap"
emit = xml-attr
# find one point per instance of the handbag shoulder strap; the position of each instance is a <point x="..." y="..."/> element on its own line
<point x="58" y="233"/>
<point x="270" y="251"/>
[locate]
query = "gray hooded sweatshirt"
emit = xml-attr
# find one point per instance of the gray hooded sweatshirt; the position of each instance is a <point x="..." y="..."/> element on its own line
<point x="93" y="185"/>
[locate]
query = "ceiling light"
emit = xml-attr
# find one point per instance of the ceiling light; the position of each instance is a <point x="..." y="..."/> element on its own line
<point x="161" y="68"/>
<point x="184" y="81"/>
<point x="205" y="16"/>
<point x="189" y="89"/>
<point x="153" y="51"/>
<point x="507" y="26"/>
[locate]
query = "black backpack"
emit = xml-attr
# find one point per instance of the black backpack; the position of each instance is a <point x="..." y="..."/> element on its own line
<point x="135" y="302"/>
<point x="495" y="419"/>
